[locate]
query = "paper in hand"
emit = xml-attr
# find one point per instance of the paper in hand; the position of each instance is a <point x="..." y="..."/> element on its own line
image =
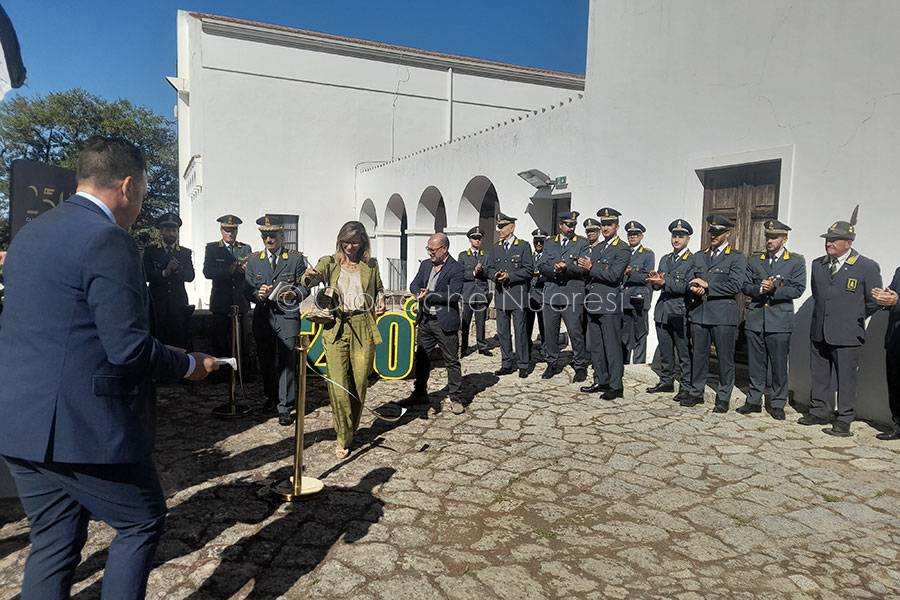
<point x="230" y="361"/>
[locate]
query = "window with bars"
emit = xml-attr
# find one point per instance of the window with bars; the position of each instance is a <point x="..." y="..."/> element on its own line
<point x="291" y="230"/>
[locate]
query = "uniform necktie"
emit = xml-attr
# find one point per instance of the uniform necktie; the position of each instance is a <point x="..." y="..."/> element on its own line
<point x="169" y="250"/>
<point x="506" y="246"/>
<point x="834" y="266"/>
<point x="771" y="260"/>
<point x="565" y="241"/>
<point x="274" y="260"/>
<point x="231" y="249"/>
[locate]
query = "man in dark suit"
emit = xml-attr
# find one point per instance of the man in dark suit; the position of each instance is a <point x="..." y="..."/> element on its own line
<point x="225" y="263"/>
<point x="276" y="320"/>
<point x="841" y="283"/>
<point x="887" y="300"/>
<point x="475" y="294"/>
<point x="675" y="270"/>
<point x="636" y="296"/>
<point x="564" y="296"/>
<point x="168" y="267"/>
<point x="718" y="276"/>
<point x="775" y="278"/>
<point x="438" y="287"/>
<point x="511" y="266"/>
<point x="605" y="267"/>
<point x="78" y="366"/>
<point x="535" y="311"/>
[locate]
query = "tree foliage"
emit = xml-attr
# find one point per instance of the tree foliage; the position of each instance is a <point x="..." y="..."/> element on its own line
<point x="53" y="129"/>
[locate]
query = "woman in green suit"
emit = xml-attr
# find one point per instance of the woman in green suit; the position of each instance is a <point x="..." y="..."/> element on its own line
<point x="351" y="339"/>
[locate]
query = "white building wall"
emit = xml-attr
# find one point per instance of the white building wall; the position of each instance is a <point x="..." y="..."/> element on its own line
<point x="676" y="87"/>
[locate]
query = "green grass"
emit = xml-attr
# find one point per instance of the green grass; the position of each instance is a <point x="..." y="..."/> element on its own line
<point x="499" y="498"/>
<point x="830" y="498"/>
<point x="741" y="521"/>
<point x="550" y="535"/>
<point x="895" y="451"/>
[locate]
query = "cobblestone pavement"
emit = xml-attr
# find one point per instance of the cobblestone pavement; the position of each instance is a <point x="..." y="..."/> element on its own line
<point x="537" y="491"/>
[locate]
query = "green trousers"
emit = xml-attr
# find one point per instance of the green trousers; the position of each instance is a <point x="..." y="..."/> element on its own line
<point x="349" y="358"/>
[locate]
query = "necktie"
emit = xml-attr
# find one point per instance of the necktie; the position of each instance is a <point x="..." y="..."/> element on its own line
<point x="169" y="250"/>
<point x="231" y="249"/>
<point x="834" y="266"/>
<point x="274" y="260"/>
<point x="565" y="241"/>
<point x="506" y="246"/>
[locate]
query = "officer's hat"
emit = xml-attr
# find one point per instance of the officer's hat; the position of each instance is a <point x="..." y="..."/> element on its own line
<point x="608" y="215"/>
<point x="229" y="221"/>
<point x="169" y="220"/>
<point x="475" y="233"/>
<point x="634" y="228"/>
<point x="591" y="225"/>
<point x="569" y="218"/>
<point x="504" y="220"/>
<point x="718" y="223"/>
<point x="842" y="230"/>
<point x="270" y="223"/>
<point x="539" y="235"/>
<point x="680" y="227"/>
<point x="774" y="227"/>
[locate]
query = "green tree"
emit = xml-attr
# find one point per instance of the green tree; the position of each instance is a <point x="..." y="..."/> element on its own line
<point x="54" y="129"/>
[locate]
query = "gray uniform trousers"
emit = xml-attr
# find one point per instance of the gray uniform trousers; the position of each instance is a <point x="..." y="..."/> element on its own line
<point x="672" y="330"/>
<point x="564" y="299"/>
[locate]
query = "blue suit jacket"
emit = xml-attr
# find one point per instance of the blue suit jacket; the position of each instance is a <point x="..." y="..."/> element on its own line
<point x="77" y="360"/>
<point x="447" y="292"/>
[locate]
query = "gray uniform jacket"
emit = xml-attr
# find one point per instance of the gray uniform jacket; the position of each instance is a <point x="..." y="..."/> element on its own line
<point x="227" y="288"/>
<point x="538" y="282"/>
<point x="841" y="304"/>
<point x="678" y="271"/>
<point x="284" y="319"/>
<point x="565" y="288"/>
<point x="773" y="312"/>
<point x="475" y="287"/>
<point x="603" y="293"/>
<point x="725" y="276"/>
<point x="636" y="292"/>
<point x="518" y="262"/>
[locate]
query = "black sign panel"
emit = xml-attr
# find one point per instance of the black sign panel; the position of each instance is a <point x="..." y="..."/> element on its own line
<point x="35" y="188"/>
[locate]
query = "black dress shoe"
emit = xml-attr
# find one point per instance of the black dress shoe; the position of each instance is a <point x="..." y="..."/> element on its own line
<point x="523" y="373"/>
<point x="550" y="371"/>
<point x="721" y="407"/>
<point x="485" y="352"/>
<point x="681" y="395"/>
<point x="613" y="394"/>
<point x="661" y="387"/>
<point x="777" y="413"/>
<point x="580" y="375"/>
<point x="692" y="401"/>
<point x="839" y="429"/>
<point x="285" y="419"/>
<point x="889" y="435"/>
<point x="811" y="419"/>
<point x="594" y="388"/>
<point x="505" y="371"/>
<point x="748" y="408"/>
<point x="414" y="399"/>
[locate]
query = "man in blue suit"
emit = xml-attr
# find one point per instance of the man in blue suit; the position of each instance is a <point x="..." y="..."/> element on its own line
<point x="78" y="365"/>
<point x="438" y="288"/>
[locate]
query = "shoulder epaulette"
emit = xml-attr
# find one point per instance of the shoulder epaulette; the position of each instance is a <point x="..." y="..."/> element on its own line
<point x="262" y="255"/>
<point x="687" y="253"/>
<point x="787" y="255"/>
<point x="615" y="242"/>
<point x="295" y="253"/>
<point x="706" y="251"/>
<point x="239" y="245"/>
<point x="853" y="259"/>
<point x="647" y="249"/>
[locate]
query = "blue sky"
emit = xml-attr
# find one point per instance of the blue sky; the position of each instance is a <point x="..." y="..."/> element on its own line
<point x="125" y="48"/>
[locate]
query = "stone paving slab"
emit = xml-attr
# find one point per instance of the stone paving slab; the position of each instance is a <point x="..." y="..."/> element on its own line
<point x="537" y="491"/>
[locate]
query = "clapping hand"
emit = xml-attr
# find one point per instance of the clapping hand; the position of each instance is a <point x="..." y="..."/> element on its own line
<point x="885" y="297"/>
<point x="768" y="285"/>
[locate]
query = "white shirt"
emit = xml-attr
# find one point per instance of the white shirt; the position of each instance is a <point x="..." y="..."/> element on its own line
<point x="106" y="210"/>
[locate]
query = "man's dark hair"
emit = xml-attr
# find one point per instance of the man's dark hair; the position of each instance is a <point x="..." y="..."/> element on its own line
<point x="106" y="161"/>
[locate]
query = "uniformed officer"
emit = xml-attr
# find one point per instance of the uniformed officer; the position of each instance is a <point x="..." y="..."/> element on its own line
<point x="536" y="294"/>
<point x="564" y="296"/>
<point x="224" y="263"/>
<point x="636" y="296"/>
<point x="775" y="278"/>
<point x="511" y="267"/>
<point x="887" y="300"/>
<point x="276" y="319"/>
<point x="476" y="296"/>
<point x="675" y="270"/>
<point x="168" y="267"/>
<point x="718" y="276"/>
<point x="605" y="267"/>
<point x="841" y="283"/>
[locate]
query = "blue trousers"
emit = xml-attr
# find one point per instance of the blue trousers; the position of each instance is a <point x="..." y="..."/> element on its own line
<point x="59" y="499"/>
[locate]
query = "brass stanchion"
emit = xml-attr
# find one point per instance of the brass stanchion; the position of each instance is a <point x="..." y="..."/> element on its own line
<point x="299" y="487"/>
<point x="232" y="410"/>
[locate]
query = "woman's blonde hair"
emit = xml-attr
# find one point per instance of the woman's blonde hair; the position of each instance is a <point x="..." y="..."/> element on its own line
<point x="349" y="231"/>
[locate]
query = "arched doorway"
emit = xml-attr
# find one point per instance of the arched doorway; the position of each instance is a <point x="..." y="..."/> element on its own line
<point x="431" y="217"/>
<point x="479" y="206"/>
<point x="369" y="218"/>
<point x="392" y="244"/>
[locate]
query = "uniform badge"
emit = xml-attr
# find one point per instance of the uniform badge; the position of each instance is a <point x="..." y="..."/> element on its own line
<point x="851" y="285"/>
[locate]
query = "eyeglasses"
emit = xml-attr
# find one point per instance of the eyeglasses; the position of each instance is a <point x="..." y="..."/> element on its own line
<point x="432" y="250"/>
<point x="269" y="234"/>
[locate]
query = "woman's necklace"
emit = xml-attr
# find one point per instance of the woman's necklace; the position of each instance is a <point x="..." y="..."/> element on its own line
<point x="350" y="266"/>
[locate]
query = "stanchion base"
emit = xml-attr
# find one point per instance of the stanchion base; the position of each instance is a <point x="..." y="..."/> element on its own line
<point x="231" y="411"/>
<point x="309" y="486"/>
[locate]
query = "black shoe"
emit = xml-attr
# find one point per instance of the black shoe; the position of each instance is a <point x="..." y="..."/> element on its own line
<point x="839" y="429"/>
<point x="777" y="413"/>
<point x="613" y="394"/>
<point x="721" y="407"/>
<point x="661" y="387"/>
<point x="748" y="408"/>
<point x="463" y="351"/>
<point x="692" y="401"/>
<point x="580" y="375"/>
<point x="485" y="352"/>
<point x="811" y="419"/>
<point x="268" y="406"/>
<point x="594" y="388"/>
<point x="505" y="371"/>
<point x="414" y="399"/>
<point x="523" y="373"/>
<point x="550" y="371"/>
<point x="681" y="395"/>
<point x="889" y="435"/>
<point x="285" y="419"/>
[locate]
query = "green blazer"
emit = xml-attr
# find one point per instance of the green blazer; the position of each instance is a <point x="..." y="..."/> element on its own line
<point x="329" y="268"/>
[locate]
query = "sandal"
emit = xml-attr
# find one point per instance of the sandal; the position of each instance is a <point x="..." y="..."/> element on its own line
<point x="341" y="452"/>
